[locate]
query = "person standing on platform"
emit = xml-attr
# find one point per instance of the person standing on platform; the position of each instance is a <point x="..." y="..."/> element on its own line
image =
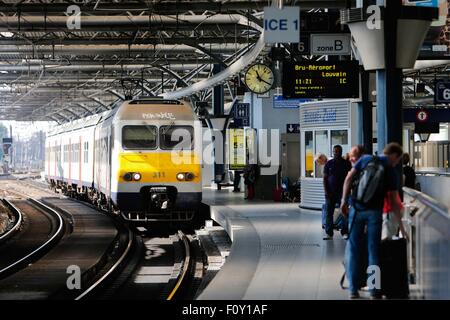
<point x="366" y="213"/>
<point x="251" y="172"/>
<point x="334" y="175"/>
<point x="408" y="173"/>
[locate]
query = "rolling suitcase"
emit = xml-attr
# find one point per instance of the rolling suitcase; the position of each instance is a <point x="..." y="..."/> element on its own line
<point x="394" y="269"/>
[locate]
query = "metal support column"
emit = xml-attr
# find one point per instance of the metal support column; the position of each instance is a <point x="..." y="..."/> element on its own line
<point x="218" y="110"/>
<point x="389" y="84"/>
<point x="365" y="114"/>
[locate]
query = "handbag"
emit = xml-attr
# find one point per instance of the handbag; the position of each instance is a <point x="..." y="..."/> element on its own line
<point x="390" y="226"/>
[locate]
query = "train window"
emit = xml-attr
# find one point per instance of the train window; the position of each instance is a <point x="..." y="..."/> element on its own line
<point x="86" y="152"/>
<point x="176" y="137"/>
<point x="139" y="137"/>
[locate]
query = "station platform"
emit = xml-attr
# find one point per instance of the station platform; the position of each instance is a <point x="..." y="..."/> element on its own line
<point x="277" y="251"/>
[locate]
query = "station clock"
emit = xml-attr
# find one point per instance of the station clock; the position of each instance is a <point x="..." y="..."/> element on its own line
<point x="259" y="78"/>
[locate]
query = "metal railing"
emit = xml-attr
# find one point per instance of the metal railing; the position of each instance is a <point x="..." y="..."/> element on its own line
<point x="441" y="172"/>
<point x="430" y="237"/>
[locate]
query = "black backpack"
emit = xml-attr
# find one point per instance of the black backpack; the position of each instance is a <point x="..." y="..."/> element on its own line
<point x="369" y="184"/>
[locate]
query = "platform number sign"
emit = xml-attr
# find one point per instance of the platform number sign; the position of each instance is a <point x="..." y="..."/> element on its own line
<point x="442" y="92"/>
<point x="422" y="116"/>
<point x="281" y="25"/>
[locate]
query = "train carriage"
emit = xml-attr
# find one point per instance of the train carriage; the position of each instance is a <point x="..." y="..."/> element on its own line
<point x="139" y="159"/>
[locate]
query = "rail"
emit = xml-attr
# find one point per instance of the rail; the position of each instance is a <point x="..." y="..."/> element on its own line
<point x="111" y="270"/>
<point x="430" y="236"/>
<point x="17" y="221"/>
<point x="186" y="263"/>
<point x="55" y="237"/>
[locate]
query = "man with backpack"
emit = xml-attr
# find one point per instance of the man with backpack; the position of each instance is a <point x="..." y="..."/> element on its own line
<point x="369" y="181"/>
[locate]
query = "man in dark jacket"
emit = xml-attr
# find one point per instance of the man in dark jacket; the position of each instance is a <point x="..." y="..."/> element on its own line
<point x="334" y="175"/>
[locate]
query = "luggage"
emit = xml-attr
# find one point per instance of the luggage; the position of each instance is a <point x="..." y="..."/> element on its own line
<point x="338" y="219"/>
<point x="368" y="186"/>
<point x="394" y="269"/>
<point x="277" y="194"/>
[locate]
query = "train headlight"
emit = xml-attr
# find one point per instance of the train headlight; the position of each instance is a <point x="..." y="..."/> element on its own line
<point x="127" y="176"/>
<point x="181" y="176"/>
<point x="136" y="176"/>
<point x="189" y="176"/>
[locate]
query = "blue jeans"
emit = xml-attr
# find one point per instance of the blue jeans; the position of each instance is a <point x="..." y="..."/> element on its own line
<point x="354" y="251"/>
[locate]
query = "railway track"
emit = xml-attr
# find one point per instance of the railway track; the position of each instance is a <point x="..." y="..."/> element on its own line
<point x="17" y="223"/>
<point x="43" y="228"/>
<point x="56" y="233"/>
<point x="155" y="268"/>
<point x="135" y="265"/>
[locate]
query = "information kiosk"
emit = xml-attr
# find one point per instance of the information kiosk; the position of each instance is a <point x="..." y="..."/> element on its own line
<point x="323" y="124"/>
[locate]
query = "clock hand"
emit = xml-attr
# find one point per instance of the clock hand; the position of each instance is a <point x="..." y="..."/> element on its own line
<point x="265" y="81"/>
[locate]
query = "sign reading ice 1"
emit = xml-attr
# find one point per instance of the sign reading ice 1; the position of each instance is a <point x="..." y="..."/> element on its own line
<point x="321" y="79"/>
<point x="281" y="25"/>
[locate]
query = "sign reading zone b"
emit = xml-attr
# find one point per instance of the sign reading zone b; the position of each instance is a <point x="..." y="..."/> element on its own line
<point x="281" y="25"/>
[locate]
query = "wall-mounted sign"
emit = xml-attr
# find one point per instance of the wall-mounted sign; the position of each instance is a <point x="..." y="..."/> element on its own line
<point x="281" y="25"/>
<point x="442" y="92"/>
<point x="241" y="115"/>
<point x="293" y="128"/>
<point x="320" y="116"/>
<point x="302" y="48"/>
<point x="422" y="116"/>
<point x="410" y="115"/>
<point x="281" y="103"/>
<point x="330" y="44"/>
<point x="322" y="79"/>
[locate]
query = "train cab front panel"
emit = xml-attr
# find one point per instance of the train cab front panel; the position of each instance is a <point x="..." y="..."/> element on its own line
<point x="157" y="175"/>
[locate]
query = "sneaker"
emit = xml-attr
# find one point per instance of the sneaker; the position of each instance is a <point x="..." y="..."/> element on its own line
<point x="328" y="237"/>
<point x="345" y="236"/>
<point x="353" y="295"/>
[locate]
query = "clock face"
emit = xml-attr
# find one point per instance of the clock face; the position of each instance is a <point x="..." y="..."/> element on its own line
<point x="259" y="78"/>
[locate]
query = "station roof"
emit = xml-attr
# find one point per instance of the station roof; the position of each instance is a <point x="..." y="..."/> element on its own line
<point x="51" y="72"/>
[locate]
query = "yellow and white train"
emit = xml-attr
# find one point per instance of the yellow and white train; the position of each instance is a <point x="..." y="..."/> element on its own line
<point x="139" y="160"/>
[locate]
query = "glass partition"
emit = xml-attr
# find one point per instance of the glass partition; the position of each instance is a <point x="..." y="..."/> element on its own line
<point x="321" y="142"/>
<point x="340" y="137"/>
<point x="322" y="148"/>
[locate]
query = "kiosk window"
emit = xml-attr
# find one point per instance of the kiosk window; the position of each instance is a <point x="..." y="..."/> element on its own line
<point x="322" y="147"/>
<point x="340" y="137"/>
<point x="309" y="154"/>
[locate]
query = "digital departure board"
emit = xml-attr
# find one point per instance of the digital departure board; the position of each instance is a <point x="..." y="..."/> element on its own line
<point x="324" y="79"/>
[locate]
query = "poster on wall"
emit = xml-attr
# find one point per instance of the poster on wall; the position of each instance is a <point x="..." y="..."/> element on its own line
<point x="437" y="42"/>
<point x="236" y="149"/>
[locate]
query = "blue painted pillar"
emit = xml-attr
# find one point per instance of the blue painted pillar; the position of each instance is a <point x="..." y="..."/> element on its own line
<point x="389" y="84"/>
<point x="365" y="115"/>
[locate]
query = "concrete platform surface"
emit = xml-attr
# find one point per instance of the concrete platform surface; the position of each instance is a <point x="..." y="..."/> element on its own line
<point x="277" y="251"/>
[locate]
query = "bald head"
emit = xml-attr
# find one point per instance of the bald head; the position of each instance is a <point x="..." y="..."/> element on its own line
<point x="355" y="153"/>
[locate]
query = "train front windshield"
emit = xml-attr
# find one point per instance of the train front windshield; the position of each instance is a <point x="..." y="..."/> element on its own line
<point x="146" y="137"/>
<point x="139" y="137"/>
<point x="176" y="137"/>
